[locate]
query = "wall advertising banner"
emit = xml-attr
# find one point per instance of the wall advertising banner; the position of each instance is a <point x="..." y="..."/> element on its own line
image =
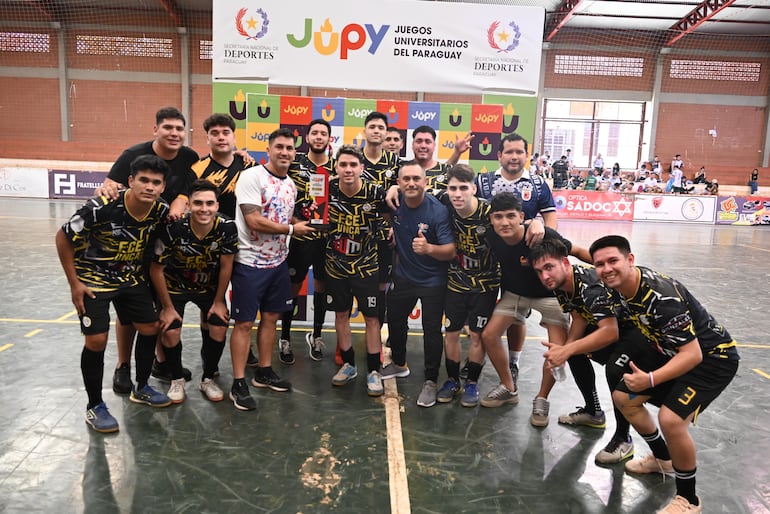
<point x="24" y="182"/>
<point x="593" y="205"/>
<point x="393" y="45"/>
<point x="74" y="184"/>
<point x="687" y="208"/>
<point x="743" y="210"/>
<point x="451" y="121"/>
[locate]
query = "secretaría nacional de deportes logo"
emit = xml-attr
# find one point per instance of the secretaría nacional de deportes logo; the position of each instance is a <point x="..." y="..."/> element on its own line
<point x="251" y="27"/>
<point x="505" y="39"/>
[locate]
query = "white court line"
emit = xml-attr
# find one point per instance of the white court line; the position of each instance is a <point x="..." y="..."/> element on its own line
<point x="754" y="248"/>
<point x="399" y="486"/>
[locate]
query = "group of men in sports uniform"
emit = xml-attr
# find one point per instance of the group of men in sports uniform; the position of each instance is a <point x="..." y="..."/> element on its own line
<point x="456" y="237"/>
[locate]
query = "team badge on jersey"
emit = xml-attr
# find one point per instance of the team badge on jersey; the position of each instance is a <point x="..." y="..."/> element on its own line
<point x="389" y="173"/>
<point x="366" y="207"/>
<point x="481" y="230"/>
<point x="526" y="193"/>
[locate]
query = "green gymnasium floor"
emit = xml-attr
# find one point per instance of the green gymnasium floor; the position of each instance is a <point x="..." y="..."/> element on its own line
<point x="326" y="449"/>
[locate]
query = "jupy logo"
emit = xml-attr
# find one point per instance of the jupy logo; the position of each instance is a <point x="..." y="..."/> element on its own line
<point x="352" y="37"/>
<point x="251" y="24"/>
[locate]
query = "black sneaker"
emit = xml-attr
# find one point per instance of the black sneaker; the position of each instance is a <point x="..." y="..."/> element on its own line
<point x="268" y="378"/>
<point x="252" y="360"/>
<point x="241" y="397"/>
<point x="161" y="371"/>
<point x="121" y="380"/>
<point x="285" y="355"/>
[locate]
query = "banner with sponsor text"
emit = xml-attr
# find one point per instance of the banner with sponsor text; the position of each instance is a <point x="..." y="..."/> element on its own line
<point x="743" y="210"/>
<point x="686" y="208"/>
<point x="395" y="45"/>
<point x="593" y="205"/>
<point x="451" y="121"/>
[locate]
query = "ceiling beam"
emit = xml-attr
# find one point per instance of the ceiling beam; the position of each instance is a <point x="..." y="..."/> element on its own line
<point x="706" y="10"/>
<point x="561" y="17"/>
<point x="173" y="10"/>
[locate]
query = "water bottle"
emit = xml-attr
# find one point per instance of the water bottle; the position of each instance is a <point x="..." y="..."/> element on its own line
<point x="559" y="373"/>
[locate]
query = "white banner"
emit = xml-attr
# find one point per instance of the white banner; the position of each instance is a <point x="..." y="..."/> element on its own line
<point x="387" y="45"/>
<point x="689" y="208"/>
<point x="24" y="182"/>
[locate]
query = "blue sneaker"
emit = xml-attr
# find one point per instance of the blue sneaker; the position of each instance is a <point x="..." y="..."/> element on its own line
<point x="346" y="373"/>
<point x="100" y="419"/>
<point x="470" y="396"/>
<point x="149" y="396"/>
<point x="448" y="391"/>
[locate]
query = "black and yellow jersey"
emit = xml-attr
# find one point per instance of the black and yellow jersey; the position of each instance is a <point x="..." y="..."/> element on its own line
<point x="300" y="171"/>
<point x="351" y="247"/>
<point x="224" y="177"/>
<point x="436" y="177"/>
<point x="670" y="317"/>
<point x="110" y="242"/>
<point x="474" y="269"/>
<point x="177" y="182"/>
<point x="592" y="300"/>
<point x="192" y="262"/>
<point x="383" y="172"/>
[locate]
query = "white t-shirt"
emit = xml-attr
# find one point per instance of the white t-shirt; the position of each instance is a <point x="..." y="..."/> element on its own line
<point x="676" y="174"/>
<point x="275" y="195"/>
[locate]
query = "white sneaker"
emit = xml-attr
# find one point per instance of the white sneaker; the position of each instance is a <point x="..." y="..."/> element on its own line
<point x="211" y="390"/>
<point x="374" y="384"/>
<point x="650" y="464"/>
<point x="176" y="391"/>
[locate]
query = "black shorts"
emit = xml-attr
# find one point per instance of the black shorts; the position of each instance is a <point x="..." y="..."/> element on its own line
<point x="204" y="301"/>
<point x="476" y="308"/>
<point x="385" y="261"/>
<point x="132" y="304"/>
<point x="632" y="345"/>
<point x="696" y="389"/>
<point x="302" y="255"/>
<point x="340" y="292"/>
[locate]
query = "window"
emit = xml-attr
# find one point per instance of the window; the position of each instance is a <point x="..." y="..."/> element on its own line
<point x="125" y="46"/>
<point x="24" y="42"/>
<point x="205" y="50"/>
<point x="715" y="70"/>
<point x="599" y="65"/>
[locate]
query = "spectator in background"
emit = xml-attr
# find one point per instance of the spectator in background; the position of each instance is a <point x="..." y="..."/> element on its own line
<point x="657" y="166"/>
<point x="651" y="183"/>
<point x="754" y="181"/>
<point x="616" y="170"/>
<point x="712" y="188"/>
<point x="589" y="181"/>
<point x="700" y="178"/>
<point x="604" y="182"/>
<point x="568" y="155"/>
<point x="641" y="173"/>
<point x="676" y="178"/>
<point x="560" y="172"/>
<point x="677" y="161"/>
<point x="598" y="163"/>
<point x="575" y="180"/>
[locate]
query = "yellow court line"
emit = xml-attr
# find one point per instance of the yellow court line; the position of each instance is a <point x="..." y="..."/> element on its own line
<point x="33" y="333"/>
<point x="760" y="372"/>
<point x="5" y="347"/>
<point x="68" y="315"/>
<point x="739" y="345"/>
